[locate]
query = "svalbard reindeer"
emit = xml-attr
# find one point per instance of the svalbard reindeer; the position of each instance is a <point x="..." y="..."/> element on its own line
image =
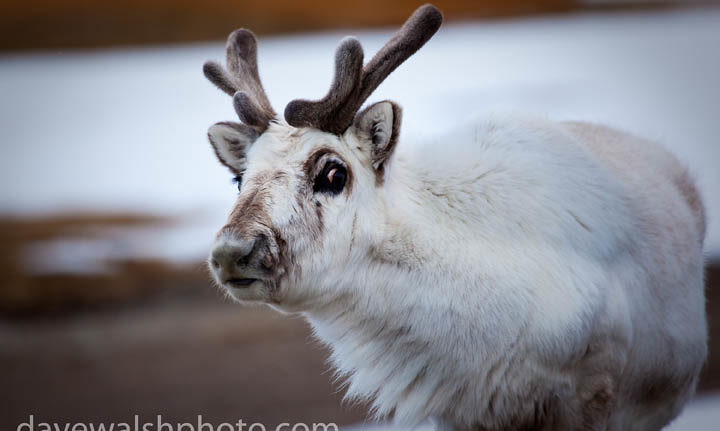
<point x="518" y="274"/>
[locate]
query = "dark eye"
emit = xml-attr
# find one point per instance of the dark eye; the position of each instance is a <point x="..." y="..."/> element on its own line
<point x="238" y="180"/>
<point x="331" y="179"/>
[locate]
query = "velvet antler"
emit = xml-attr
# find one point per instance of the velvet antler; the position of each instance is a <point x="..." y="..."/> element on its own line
<point x="353" y="84"/>
<point x="242" y="81"/>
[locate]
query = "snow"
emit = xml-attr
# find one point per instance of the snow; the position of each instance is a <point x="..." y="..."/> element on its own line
<point x="125" y="130"/>
<point x="178" y="242"/>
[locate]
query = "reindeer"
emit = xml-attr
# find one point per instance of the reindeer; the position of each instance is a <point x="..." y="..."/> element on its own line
<point x="517" y="274"/>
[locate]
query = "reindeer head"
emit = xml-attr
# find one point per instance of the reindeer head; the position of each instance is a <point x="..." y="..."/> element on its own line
<point x="310" y="185"/>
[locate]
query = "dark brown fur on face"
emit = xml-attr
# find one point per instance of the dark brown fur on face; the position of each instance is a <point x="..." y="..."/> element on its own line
<point x="250" y="218"/>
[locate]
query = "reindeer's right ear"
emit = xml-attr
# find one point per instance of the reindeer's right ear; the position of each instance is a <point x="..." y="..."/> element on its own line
<point x="231" y="142"/>
<point x="379" y="126"/>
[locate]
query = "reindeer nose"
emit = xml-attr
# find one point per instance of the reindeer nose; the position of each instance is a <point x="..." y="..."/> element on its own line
<point x="233" y="252"/>
<point x="232" y="257"/>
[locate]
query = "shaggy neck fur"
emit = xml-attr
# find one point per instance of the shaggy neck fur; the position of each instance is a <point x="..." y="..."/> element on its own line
<point x="533" y="277"/>
<point x="430" y="330"/>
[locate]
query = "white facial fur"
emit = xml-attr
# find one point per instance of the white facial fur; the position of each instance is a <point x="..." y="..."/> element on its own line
<point x="320" y="231"/>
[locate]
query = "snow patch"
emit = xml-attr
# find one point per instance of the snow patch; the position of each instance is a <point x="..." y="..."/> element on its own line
<point x="125" y="130"/>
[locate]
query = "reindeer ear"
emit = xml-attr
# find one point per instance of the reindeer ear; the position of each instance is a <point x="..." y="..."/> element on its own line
<point x="230" y="142"/>
<point x="379" y="125"/>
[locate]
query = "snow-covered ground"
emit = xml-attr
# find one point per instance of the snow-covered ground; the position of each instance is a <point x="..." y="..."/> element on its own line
<point x="125" y="129"/>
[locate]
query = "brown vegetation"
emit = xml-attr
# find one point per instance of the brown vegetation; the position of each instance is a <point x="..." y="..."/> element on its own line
<point x="53" y="24"/>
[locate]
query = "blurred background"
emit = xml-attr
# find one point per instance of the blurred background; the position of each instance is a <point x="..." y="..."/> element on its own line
<point x="110" y="194"/>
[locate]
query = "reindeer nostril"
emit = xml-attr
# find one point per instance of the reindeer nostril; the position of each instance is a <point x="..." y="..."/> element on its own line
<point x="267" y="262"/>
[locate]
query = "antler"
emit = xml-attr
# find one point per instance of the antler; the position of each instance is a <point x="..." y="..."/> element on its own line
<point x="242" y="81"/>
<point x="352" y="84"/>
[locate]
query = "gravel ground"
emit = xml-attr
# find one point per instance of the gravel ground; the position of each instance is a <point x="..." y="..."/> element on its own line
<point x="178" y="359"/>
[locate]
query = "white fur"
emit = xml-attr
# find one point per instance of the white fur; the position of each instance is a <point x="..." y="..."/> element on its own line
<point x="512" y="261"/>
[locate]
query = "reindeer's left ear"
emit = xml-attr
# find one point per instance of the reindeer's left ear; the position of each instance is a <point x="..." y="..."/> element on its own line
<point x="379" y="126"/>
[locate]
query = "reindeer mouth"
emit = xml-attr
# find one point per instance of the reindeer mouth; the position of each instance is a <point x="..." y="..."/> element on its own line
<point x="240" y="283"/>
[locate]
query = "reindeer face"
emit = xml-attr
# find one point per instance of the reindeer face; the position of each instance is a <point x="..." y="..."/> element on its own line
<point x="306" y="198"/>
<point x="308" y="186"/>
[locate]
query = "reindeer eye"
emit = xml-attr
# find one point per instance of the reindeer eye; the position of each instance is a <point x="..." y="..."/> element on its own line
<point x="331" y="179"/>
<point x="238" y="180"/>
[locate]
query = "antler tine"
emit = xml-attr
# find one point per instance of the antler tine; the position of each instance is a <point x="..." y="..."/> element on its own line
<point x="351" y="86"/>
<point x="416" y="31"/>
<point x="242" y="80"/>
<point x="320" y="114"/>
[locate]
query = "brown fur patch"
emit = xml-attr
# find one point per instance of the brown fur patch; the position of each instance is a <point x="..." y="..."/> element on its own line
<point x="352" y="233"/>
<point x="283" y="263"/>
<point x="249" y="207"/>
<point x="596" y="410"/>
<point x="543" y="414"/>
<point x="657" y="389"/>
<point x="689" y="191"/>
<point x="250" y="219"/>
